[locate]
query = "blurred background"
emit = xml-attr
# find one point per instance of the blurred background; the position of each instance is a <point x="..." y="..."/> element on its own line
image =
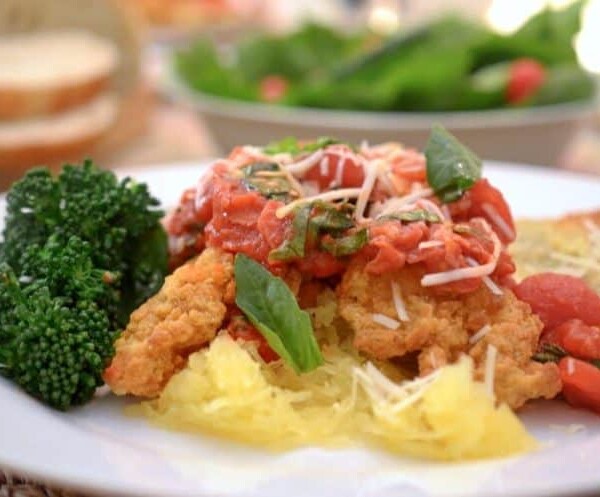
<point x="137" y="83"/>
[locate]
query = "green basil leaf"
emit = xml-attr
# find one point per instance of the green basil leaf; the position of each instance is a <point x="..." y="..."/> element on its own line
<point x="413" y="216"/>
<point x="272" y="187"/>
<point x="452" y="168"/>
<point x="291" y="145"/>
<point x="272" y="308"/>
<point x="346" y="245"/>
<point x="331" y="219"/>
<point x="295" y="247"/>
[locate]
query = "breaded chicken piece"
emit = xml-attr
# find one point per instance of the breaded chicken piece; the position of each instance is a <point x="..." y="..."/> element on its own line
<point x="181" y="318"/>
<point x="569" y="245"/>
<point x="439" y="330"/>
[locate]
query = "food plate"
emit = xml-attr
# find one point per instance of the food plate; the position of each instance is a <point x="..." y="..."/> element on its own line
<point x="98" y="450"/>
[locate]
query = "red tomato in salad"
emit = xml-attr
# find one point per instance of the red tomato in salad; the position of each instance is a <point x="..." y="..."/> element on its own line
<point x="557" y="298"/>
<point x="326" y="174"/>
<point x="525" y="77"/>
<point x="581" y="383"/>
<point x="273" y="88"/>
<point x="577" y="338"/>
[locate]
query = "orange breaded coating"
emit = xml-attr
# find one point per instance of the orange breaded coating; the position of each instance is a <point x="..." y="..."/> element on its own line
<point x="439" y="330"/>
<point x="181" y="318"/>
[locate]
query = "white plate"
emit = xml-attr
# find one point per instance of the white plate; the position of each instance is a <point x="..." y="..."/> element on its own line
<point x="97" y="449"/>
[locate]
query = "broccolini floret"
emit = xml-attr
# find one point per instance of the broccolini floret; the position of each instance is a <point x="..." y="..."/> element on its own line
<point x="79" y="253"/>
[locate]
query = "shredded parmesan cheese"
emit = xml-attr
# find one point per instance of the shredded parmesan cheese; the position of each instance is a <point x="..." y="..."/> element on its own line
<point x="570" y="366"/>
<point x="324" y="166"/>
<point x="473" y="339"/>
<point x="498" y="220"/>
<point x="490" y="368"/>
<point x="302" y="166"/>
<point x="397" y="204"/>
<point x="386" y="321"/>
<point x="366" y="189"/>
<point x="399" y="303"/>
<point x="430" y="244"/>
<point x="444" y="277"/>
<point x="487" y="281"/>
<point x="343" y="193"/>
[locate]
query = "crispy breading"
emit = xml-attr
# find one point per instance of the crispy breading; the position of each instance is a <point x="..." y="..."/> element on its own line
<point x="569" y="245"/>
<point x="181" y="318"/>
<point x="440" y="327"/>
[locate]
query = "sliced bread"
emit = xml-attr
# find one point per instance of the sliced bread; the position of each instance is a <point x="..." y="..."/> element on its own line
<point x="52" y="71"/>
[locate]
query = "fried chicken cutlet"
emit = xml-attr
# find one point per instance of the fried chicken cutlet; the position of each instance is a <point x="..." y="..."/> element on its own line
<point x="439" y="329"/>
<point x="182" y="317"/>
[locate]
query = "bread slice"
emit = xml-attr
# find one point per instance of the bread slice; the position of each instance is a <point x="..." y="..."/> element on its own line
<point x="51" y="71"/>
<point x="51" y="140"/>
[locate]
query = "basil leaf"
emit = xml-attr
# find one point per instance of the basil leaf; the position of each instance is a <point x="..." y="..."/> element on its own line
<point x="413" y="216"/>
<point x="346" y="245"/>
<point x="272" y="308"/>
<point x="331" y="219"/>
<point x="452" y="168"/>
<point x="295" y="247"/>
<point x="272" y="187"/>
<point x="291" y="145"/>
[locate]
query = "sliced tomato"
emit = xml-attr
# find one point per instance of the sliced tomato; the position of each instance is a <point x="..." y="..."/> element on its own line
<point x="325" y="173"/>
<point x="320" y="264"/>
<point x="577" y="338"/>
<point x="525" y="77"/>
<point x="557" y="298"/>
<point x="581" y="383"/>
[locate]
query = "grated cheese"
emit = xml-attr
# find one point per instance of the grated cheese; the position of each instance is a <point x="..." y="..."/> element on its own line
<point x="302" y="166"/>
<point x="324" y="166"/>
<point x="570" y="366"/>
<point x="473" y="339"/>
<point x="366" y="189"/>
<point x="386" y="321"/>
<point x="399" y="302"/>
<point x="487" y="281"/>
<point x="430" y="244"/>
<point x="343" y="193"/>
<point x="498" y="220"/>
<point x="490" y="368"/>
<point x="396" y="204"/>
<point x="444" y="277"/>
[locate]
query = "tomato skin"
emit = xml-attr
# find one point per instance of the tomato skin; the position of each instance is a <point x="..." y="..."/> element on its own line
<point x="581" y="383"/>
<point x="320" y="264"/>
<point x="525" y="78"/>
<point x="273" y="88"/>
<point x="577" y="338"/>
<point x="557" y="298"/>
<point x="240" y="329"/>
<point x="337" y="156"/>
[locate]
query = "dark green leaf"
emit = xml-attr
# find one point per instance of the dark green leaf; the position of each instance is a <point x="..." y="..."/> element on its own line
<point x="452" y="168"/>
<point x="549" y="353"/>
<point x="346" y="245"/>
<point x="294" y="248"/>
<point x="291" y="145"/>
<point x="412" y="216"/>
<point x="272" y="187"/>
<point x="272" y="308"/>
<point x="331" y="219"/>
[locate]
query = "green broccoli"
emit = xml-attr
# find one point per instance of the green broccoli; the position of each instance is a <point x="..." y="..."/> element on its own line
<point x="119" y="219"/>
<point x="53" y="347"/>
<point x="80" y="252"/>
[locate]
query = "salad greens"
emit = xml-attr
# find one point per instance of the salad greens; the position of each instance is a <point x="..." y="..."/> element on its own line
<point x="452" y="168"/>
<point x="272" y="308"/>
<point x="450" y="64"/>
<point x="291" y="145"/>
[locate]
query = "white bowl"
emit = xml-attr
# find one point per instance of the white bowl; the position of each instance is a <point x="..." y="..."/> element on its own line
<point x="535" y="135"/>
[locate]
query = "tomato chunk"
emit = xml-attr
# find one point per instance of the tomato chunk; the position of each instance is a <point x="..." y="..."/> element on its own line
<point x="557" y="298"/>
<point x="581" y="383"/>
<point x="240" y="329"/>
<point x="326" y="173"/>
<point x="576" y="338"/>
